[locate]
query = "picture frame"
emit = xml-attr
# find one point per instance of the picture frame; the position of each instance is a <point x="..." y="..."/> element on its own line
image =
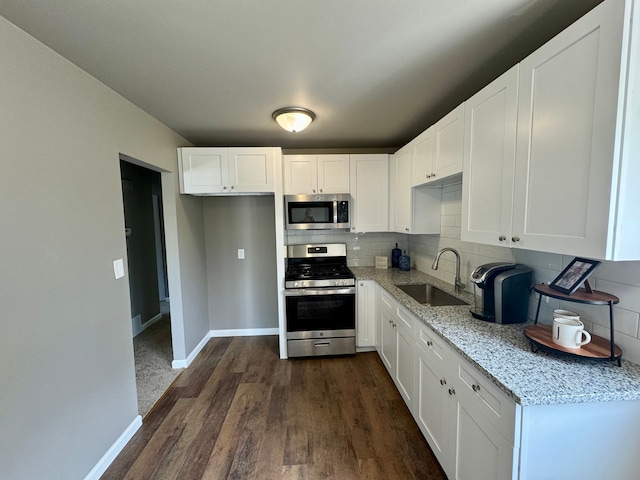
<point x="574" y="275"/>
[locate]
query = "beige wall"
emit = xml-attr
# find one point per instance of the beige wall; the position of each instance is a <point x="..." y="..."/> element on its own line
<point x="66" y="355"/>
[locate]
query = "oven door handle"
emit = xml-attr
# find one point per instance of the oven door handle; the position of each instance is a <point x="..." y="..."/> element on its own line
<point x="302" y="292"/>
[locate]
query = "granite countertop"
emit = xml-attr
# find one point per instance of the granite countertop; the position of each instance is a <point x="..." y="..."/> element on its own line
<point x="503" y="353"/>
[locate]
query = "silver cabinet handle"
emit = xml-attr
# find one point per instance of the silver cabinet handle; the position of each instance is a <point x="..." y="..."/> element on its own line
<point x="429" y="342"/>
<point x="502" y="238"/>
<point x="443" y="381"/>
<point x="324" y="344"/>
<point x="515" y="239"/>
<point x="224" y="188"/>
<point x="475" y="388"/>
<point x="321" y="191"/>
<point x="313" y="191"/>
<point x="452" y="391"/>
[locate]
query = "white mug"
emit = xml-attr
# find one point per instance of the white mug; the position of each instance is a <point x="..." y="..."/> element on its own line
<point x="568" y="333"/>
<point x="558" y="313"/>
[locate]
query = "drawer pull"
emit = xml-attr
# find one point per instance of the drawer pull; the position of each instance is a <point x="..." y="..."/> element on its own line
<point x="443" y="381"/>
<point x="476" y="388"/>
<point x="452" y="391"/>
<point x="429" y="342"/>
<point x="323" y="344"/>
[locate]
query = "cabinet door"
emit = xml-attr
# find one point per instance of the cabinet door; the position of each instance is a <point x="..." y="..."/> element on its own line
<point x="251" y="170"/>
<point x="489" y="161"/>
<point x="568" y="99"/>
<point x="300" y="174"/>
<point x="203" y="170"/>
<point x="388" y="341"/>
<point x="422" y="162"/>
<point x="448" y="134"/>
<point x="431" y="396"/>
<point x="333" y="173"/>
<point x="370" y="192"/>
<point x="403" y="207"/>
<point x="365" y="321"/>
<point x="479" y="450"/>
<point x="404" y="357"/>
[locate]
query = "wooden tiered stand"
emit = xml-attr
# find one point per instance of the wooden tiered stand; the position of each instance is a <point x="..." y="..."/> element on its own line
<point x="599" y="348"/>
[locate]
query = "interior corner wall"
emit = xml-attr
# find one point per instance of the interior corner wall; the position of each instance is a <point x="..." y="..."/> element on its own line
<point x="66" y="353"/>
<point x="243" y="293"/>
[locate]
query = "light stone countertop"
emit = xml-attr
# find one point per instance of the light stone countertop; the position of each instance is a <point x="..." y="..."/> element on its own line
<point x="503" y="353"/>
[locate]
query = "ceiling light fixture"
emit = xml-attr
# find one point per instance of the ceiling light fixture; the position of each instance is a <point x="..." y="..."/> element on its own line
<point x="293" y="119"/>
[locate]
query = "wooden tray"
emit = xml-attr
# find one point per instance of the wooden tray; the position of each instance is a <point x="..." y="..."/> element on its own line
<point x="598" y="347"/>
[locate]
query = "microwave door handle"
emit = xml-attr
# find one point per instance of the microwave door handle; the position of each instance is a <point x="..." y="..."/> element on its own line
<point x="335" y="212"/>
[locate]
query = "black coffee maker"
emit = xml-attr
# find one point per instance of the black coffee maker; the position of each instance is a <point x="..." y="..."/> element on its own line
<point x="505" y="292"/>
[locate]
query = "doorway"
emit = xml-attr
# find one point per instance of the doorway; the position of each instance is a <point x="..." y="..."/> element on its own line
<point x="148" y="283"/>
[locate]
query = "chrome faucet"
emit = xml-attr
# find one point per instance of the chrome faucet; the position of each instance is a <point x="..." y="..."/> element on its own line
<point x="458" y="286"/>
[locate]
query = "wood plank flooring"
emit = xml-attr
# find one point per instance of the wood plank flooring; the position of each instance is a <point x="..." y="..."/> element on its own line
<point x="239" y="412"/>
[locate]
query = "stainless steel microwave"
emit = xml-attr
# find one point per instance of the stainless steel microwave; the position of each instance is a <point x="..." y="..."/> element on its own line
<point x="317" y="212"/>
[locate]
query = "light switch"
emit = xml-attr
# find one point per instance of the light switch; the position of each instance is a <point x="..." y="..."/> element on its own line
<point x="241" y="253"/>
<point x="118" y="268"/>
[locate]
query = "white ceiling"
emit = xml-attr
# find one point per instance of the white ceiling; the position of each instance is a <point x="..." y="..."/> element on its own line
<point x="376" y="72"/>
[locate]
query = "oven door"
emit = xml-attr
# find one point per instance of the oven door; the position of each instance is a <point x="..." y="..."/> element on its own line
<point x="320" y="312"/>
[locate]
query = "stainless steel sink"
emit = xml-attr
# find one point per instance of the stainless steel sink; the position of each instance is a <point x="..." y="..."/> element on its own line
<point x="427" y="294"/>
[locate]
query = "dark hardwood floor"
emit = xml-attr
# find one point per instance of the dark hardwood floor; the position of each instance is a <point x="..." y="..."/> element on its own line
<point x="239" y="412"/>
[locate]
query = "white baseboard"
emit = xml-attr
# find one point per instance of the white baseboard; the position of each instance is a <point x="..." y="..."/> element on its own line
<point x="136" y="325"/>
<point x="139" y="327"/>
<point x="187" y="361"/>
<point x="233" y="332"/>
<point x="243" y="332"/>
<point x="102" y="465"/>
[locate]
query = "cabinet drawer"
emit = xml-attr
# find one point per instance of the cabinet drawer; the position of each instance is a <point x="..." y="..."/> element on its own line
<point x="386" y="301"/>
<point x="405" y="319"/>
<point x="430" y="343"/>
<point x="489" y="400"/>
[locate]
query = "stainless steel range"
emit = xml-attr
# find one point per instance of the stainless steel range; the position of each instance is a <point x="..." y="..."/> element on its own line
<point x="320" y="301"/>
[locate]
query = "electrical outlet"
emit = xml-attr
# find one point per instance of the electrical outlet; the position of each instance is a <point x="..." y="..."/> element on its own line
<point x="241" y="253"/>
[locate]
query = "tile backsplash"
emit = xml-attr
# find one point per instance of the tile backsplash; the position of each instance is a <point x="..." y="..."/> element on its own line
<point x="621" y="279"/>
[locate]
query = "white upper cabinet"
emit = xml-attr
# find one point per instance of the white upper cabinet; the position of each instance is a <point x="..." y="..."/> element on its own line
<point x="369" y="192"/>
<point x="437" y="152"/>
<point x="422" y="162"/>
<point x="221" y="170"/>
<point x="402" y="207"/>
<point x="577" y="168"/>
<point x="316" y="174"/>
<point x="489" y="161"/>
<point x="412" y="210"/>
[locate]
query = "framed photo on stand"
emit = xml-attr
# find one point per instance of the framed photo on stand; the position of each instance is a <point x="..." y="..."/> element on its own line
<point x="574" y="275"/>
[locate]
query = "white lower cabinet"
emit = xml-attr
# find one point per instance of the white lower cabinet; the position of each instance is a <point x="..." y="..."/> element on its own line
<point x="396" y="344"/>
<point x="468" y="424"/>
<point x="478" y="432"/>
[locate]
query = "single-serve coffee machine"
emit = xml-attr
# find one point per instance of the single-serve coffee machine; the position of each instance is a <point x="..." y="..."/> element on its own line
<point x="505" y="292"/>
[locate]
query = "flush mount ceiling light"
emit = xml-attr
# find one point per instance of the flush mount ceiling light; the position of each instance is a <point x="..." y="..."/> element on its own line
<point x="293" y="119"/>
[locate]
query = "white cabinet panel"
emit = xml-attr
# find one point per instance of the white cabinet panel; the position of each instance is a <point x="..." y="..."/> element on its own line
<point x="369" y="179"/>
<point x="316" y="174"/>
<point x="437" y="152"/>
<point x="366" y="318"/>
<point x="413" y="210"/>
<point x="221" y="170"/>
<point x="448" y="142"/>
<point x="489" y="161"/>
